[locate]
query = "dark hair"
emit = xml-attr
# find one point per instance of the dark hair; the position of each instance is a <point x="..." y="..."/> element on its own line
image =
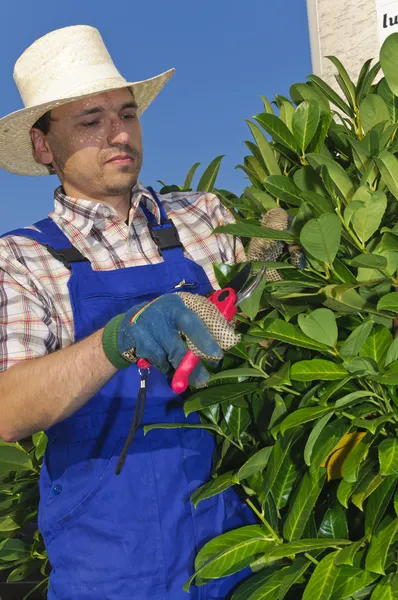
<point x="44" y="123"/>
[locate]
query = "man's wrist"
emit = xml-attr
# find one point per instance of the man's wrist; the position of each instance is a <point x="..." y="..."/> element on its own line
<point x="110" y="343"/>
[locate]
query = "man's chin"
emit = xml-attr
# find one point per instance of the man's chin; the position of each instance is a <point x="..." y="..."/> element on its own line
<point x="122" y="186"/>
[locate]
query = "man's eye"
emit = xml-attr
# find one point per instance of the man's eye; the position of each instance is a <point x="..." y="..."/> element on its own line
<point x="90" y="123"/>
<point x="128" y="117"/>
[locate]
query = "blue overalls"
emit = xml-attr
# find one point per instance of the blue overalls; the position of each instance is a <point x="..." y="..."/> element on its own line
<point x="132" y="536"/>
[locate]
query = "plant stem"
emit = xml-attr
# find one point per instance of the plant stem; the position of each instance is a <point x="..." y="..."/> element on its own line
<point x="263" y="520"/>
<point x="311" y="558"/>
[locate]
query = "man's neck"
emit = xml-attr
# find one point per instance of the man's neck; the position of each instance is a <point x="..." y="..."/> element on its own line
<point x="121" y="204"/>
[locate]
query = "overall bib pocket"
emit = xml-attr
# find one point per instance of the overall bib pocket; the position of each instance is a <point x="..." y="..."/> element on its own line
<point x="75" y="472"/>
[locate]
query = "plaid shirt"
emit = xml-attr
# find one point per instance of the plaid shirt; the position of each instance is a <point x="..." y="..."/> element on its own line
<point x="35" y="310"/>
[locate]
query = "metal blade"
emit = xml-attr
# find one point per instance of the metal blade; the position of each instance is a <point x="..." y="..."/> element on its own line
<point x="247" y="291"/>
<point x="240" y="279"/>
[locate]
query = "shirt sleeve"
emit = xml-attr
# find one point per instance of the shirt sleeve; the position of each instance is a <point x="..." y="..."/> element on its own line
<point x="27" y="329"/>
<point x="230" y="246"/>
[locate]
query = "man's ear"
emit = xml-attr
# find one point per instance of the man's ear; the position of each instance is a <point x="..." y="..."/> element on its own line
<point x="41" y="147"/>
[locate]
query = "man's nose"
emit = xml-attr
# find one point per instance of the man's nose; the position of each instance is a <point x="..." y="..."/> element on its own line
<point x="118" y="134"/>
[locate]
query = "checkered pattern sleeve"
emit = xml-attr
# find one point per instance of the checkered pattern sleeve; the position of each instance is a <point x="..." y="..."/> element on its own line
<point x="231" y="248"/>
<point x="27" y="328"/>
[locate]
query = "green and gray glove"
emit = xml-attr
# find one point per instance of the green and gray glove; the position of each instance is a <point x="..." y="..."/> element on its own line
<point x="156" y="331"/>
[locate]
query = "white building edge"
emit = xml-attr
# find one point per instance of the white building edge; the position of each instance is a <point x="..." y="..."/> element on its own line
<point x="352" y="30"/>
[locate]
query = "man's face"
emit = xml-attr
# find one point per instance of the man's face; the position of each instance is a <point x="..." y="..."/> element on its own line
<point x="96" y="144"/>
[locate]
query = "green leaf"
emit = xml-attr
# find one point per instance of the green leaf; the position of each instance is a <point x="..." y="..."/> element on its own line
<point x="237" y="373"/>
<point x="314" y="435"/>
<point x="389" y="59"/>
<point x="320" y="325"/>
<point x="389" y="98"/>
<point x="278" y="463"/>
<point x="373" y="110"/>
<point x="339" y="177"/>
<point x="367" y="215"/>
<point x="321" y="237"/>
<point x="377" y="344"/>
<point x="390" y="375"/>
<point x="388" y="166"/>
<point x="269" y="589"/>
<point x="328" y="441"/>
<point x="350" y="580"/>
<point x="388" y="302"/>
<point x="208" y="179"/>
<point x="303" y="415"/>
<point x="283" y="188"/>
<point x="226" y="540"/>
<point x="232" y="558"/>
<point x="212" y="488"/>
<point x="147" y="428"/>
<point x="255" y="463"/>
<point x="281" y="377"/>
<point x="216" y="395"/>
<point x="379" y="546"/>
<point x="14" y="458"/>
<point x="13" y="549"/>
<point x="334" y="524"/>
<point x="347" y="554"/>
<point x="371" y="261"/>
<point x="292" y="548"/>
<point x="247" y="230"/>
<point x="303" y="504"/>
<point x="348" y="87"/>
<point x="278" y="130"/>
<point x="346" y="489"/>
<point x="190" y="176"/>
<point x="351" y="464"/>
<point x="265" y="149"/>
<point x="392" y="354"/>
<point x="378" y="503"/>
<point x="366" y="487"/>
<point x="387" y="589"/>
<point x="310" y="370"/>
<point x="331" y="95"/>
<point x="356" y="340"/>
<point x="39" y="440"/>
<point x="286" y="332"/>
<point x="23" y="571"/>
<point x="388" y="456"/>
<point x="320" y="585"/>
<point x="305" y="123"/>
<point x="237" y="419"/>
<point x="283" y="484"/>
<point x="300" y="92"/>
<point x="293" y="575"/>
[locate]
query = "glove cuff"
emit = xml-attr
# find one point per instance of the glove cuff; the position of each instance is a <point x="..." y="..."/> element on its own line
<point x="110" y="343"/>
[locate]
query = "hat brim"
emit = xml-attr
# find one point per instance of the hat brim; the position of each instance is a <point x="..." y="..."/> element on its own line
<point x="16" y="150"/>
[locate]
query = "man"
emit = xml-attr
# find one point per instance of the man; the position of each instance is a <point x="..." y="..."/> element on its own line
<point x="104" y="281"/>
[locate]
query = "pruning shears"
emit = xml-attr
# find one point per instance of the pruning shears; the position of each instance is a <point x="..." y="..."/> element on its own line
<point x="227" y="301"/>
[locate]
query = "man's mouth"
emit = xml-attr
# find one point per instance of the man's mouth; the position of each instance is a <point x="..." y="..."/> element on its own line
<point x="120" y="159"/>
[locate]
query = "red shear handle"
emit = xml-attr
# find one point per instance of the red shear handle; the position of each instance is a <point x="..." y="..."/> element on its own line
<point x="225" y="301"/>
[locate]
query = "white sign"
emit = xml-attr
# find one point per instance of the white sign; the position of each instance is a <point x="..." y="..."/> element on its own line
<point x="387" y="18"/>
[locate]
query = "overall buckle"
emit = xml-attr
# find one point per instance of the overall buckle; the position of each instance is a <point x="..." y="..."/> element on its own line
<point x="165" y="235"/>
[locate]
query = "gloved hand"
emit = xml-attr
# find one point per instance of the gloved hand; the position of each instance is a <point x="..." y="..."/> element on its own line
<point x="153" y="331"/>
<point x="261" y="249"/>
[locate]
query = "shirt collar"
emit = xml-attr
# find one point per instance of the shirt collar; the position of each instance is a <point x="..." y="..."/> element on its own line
<point x="85" y="214"/>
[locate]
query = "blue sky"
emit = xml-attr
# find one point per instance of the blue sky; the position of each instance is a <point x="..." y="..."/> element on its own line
<point x="226" y="52"/>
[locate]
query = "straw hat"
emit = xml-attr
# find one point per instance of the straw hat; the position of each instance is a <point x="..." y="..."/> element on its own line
<point x="65" y="65"/>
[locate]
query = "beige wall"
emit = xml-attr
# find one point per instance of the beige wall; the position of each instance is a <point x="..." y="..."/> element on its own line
<point x="343" y="28"/>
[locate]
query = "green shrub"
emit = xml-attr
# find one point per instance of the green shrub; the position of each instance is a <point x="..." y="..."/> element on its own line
<point x="304" y="410"/>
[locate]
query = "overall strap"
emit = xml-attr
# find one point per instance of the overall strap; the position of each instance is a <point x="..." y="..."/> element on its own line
<point x="164" y="234"/>
<point x="53" y="239"/>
